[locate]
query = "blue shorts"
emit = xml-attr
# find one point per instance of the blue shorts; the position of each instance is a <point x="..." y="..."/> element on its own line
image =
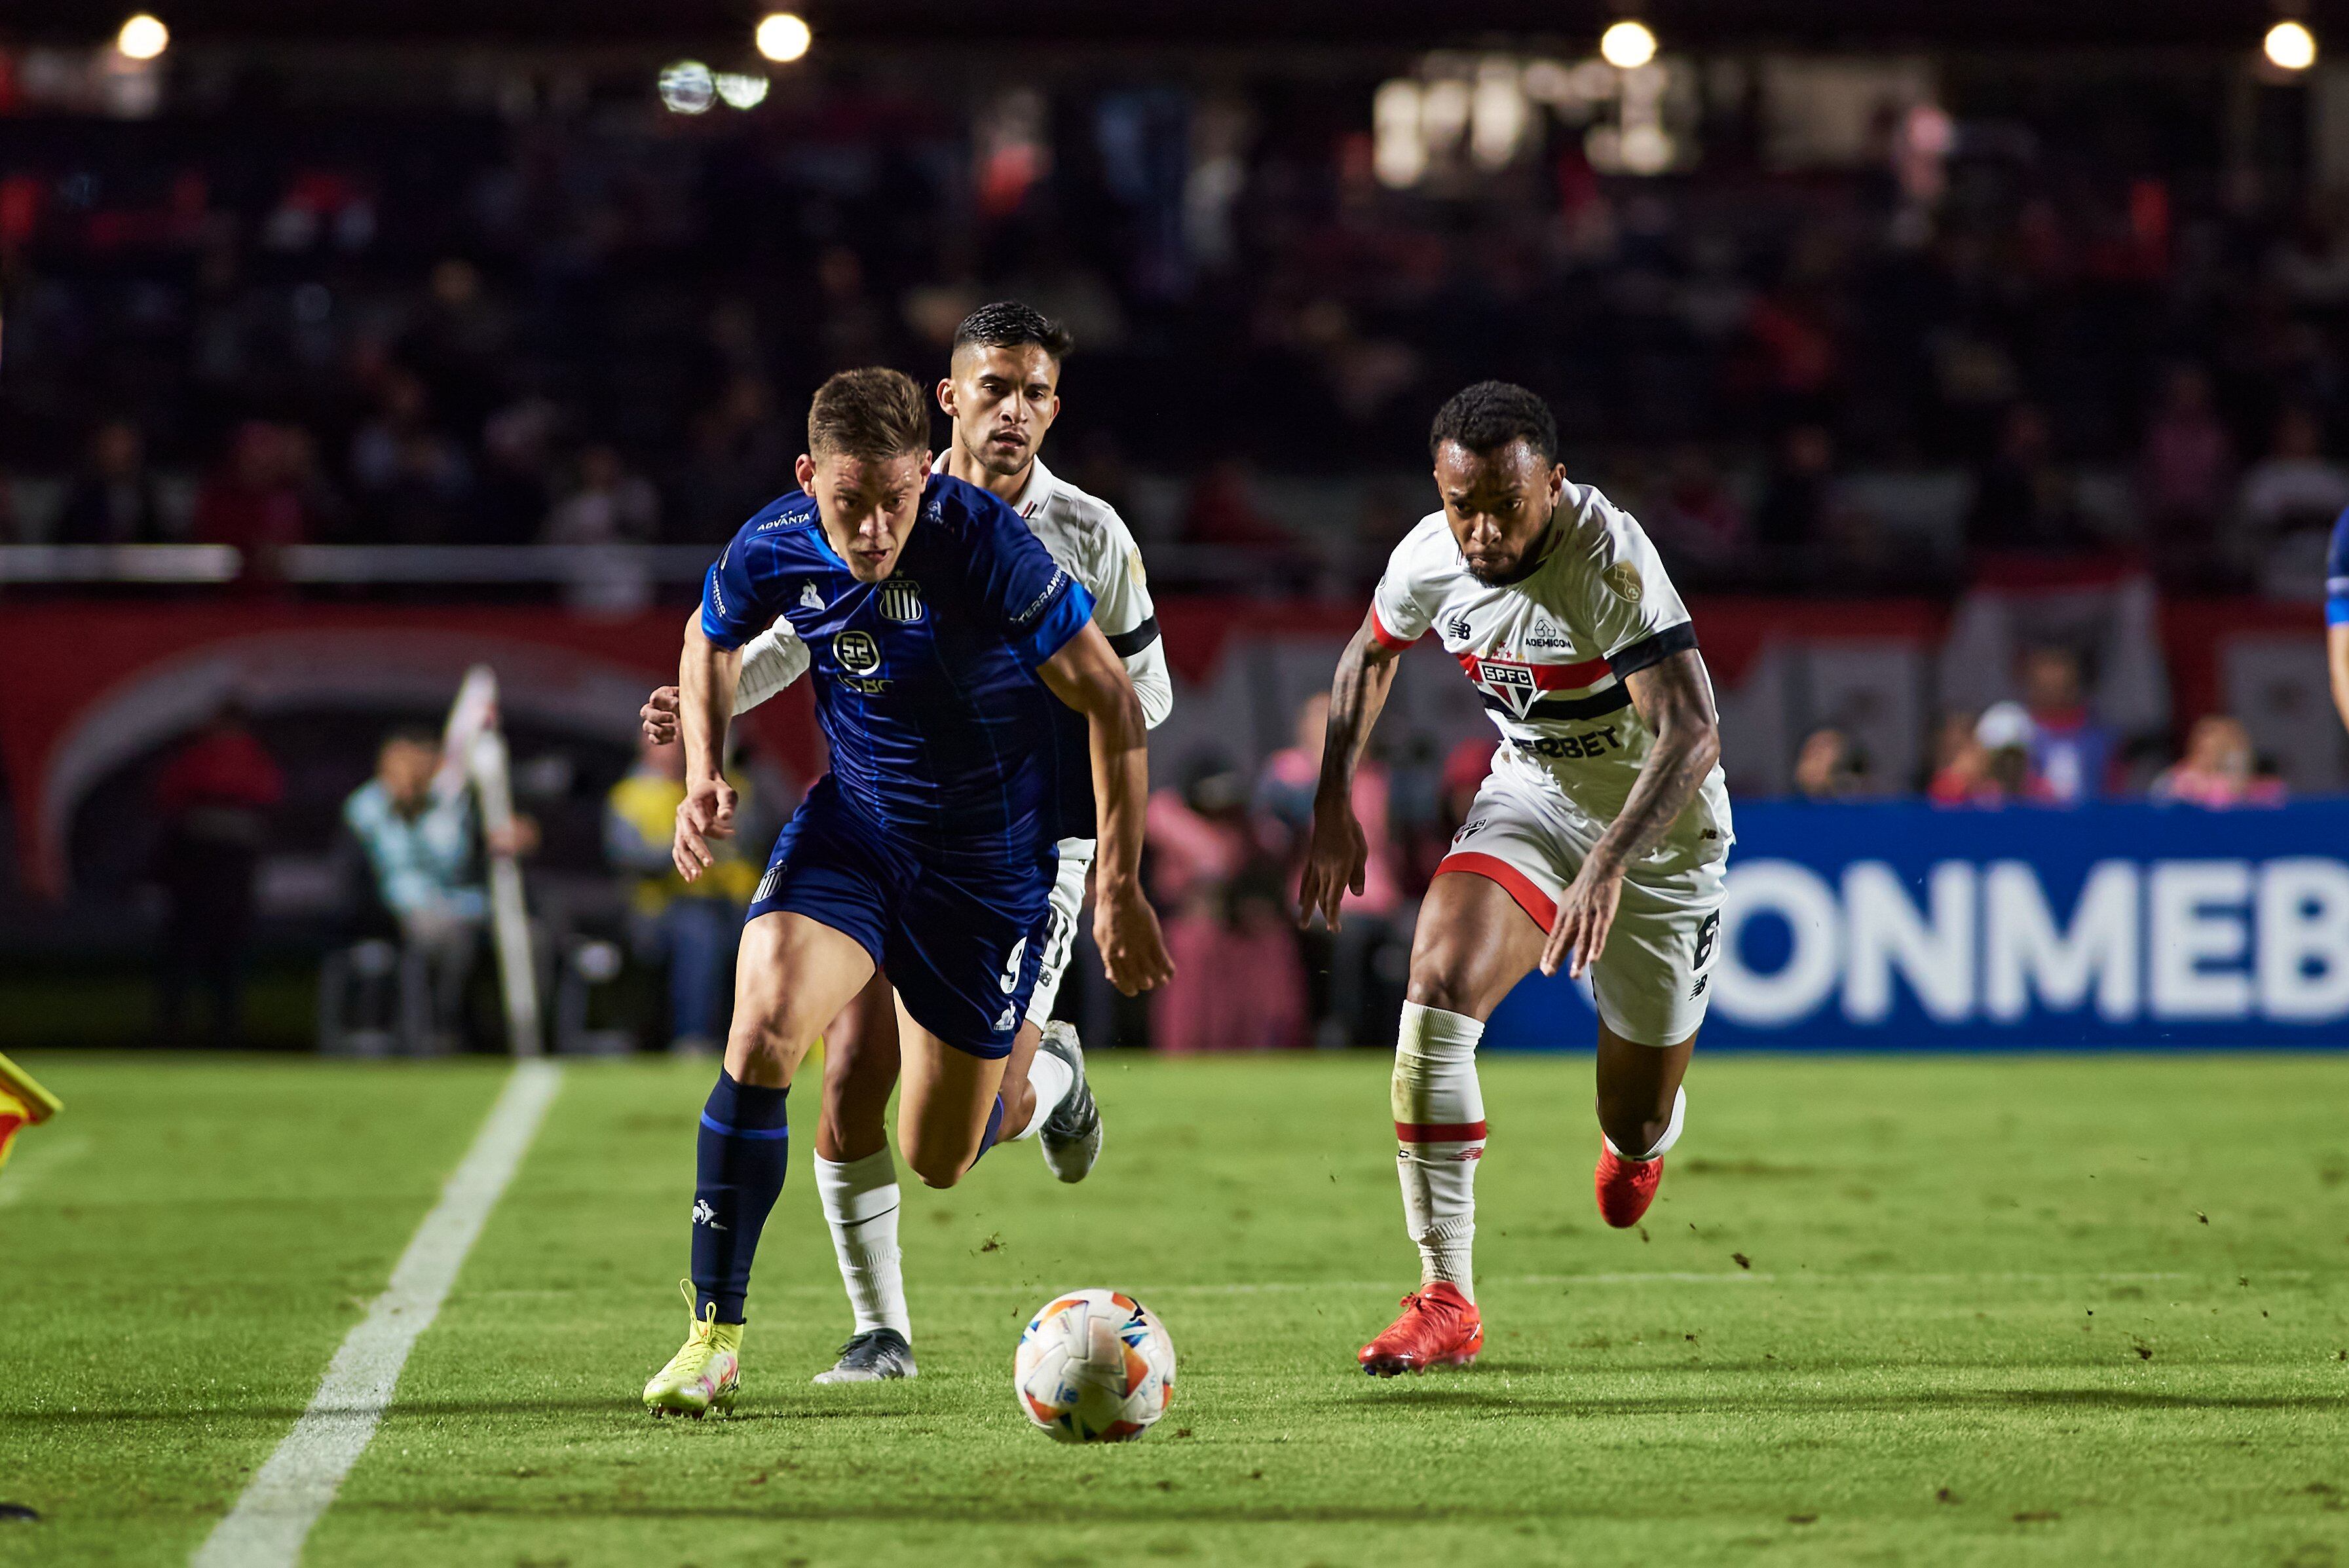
<point x="958" y="945"/>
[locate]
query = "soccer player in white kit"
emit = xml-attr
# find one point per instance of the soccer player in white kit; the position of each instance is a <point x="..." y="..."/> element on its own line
<point x="1001" y="391"/>
<point x="1597" y="844"/>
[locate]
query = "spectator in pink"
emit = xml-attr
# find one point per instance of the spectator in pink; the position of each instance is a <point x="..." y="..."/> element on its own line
<point x="1284" y="800"/>
<point x="2218" y="770"/>
<point x="1238" y="985"/>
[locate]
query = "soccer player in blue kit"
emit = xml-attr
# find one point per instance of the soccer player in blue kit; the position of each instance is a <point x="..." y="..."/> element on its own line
<point x="941" y="633"/>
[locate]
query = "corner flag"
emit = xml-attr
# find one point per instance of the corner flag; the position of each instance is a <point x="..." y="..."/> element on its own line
<point x="23" y="1103"/>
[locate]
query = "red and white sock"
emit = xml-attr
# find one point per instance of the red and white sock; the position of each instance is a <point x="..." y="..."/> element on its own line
<point x="1439" y="1115"/>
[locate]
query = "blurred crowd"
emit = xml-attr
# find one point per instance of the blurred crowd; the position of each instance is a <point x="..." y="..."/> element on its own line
<point x="2050" y="748"/>
<point x="589" y="321"/>
<point x="632" y="956"/>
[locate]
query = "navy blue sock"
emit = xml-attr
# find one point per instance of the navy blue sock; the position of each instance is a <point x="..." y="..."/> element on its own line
<point x="994" y="1131"/>
<point x="744" y="1148"/>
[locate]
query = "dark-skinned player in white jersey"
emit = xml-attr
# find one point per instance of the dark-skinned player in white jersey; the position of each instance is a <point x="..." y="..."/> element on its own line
<point x="1598" y="845"/>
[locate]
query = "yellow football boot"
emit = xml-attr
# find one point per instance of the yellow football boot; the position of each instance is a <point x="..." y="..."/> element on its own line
<point x="704" y="1374"/>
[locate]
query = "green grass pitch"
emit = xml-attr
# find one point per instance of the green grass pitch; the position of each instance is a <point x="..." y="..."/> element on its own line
<point x="2000" y="1311"/>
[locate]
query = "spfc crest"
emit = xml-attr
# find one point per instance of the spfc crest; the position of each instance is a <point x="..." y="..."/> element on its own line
<point x="901" y="600"/>
<point x="1514" y="684"/>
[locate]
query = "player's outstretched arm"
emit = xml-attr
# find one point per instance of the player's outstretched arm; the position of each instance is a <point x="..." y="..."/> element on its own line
<point x="706" y="678"/>
<point x="1674" y="700"/>
<point x="1337" y="854"/>
<point x="1088" y="675"/>
<point x="770" y="661"/>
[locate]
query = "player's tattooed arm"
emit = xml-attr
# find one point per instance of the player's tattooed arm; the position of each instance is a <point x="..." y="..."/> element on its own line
<point x="1088" y="675"/>
<point x="706" y="678"/>
<point x="1337" y="855"/>
<point x="1674" y="700"/>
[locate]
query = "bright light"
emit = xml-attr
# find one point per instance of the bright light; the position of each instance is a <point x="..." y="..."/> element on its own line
<point x="2289" y="44"/>
<point x="143" y="37"/>
<point x="1399" y="146"/>
<point x="783" y="37"/>
<point x="739" y="90"/>
<point x="687" y="88"/>
<point x="1626" y="46"/>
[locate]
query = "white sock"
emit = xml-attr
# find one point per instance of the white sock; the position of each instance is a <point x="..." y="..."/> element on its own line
<point x="860" y="1203"/>
<point x="1439" y="1115"/>
<point x="1672" y="1132"/>
<point x="1051" y="1078"/>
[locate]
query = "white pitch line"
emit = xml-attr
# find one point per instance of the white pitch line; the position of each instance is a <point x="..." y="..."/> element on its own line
<point x="38" y="1162"/>
<point x="266" y="1528"/>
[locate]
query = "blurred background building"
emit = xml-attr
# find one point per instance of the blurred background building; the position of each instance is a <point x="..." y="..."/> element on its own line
<point x="1981" y="372"/>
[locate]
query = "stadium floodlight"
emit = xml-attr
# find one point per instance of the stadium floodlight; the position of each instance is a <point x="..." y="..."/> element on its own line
<point x="143" y="37"/>
<point x="782" y="37"/>
<point x="2291" y="46"/>
<point x="1626" y="46"/>
<point x="740" y="89"/>
<point x="687" y="88"/>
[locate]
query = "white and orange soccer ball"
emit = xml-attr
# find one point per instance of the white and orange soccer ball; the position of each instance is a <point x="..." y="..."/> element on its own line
<point x="1094" y="1367"/>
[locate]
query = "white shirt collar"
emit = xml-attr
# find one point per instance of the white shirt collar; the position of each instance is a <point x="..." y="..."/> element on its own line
<point x="1033" y="496"/>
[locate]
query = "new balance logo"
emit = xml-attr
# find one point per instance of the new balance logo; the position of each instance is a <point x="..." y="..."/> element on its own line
<point x="1458" y="629"/>
<point x="1698" y="989"/>
<point x="809" y="598"/>
<point x="703" y="1214"/>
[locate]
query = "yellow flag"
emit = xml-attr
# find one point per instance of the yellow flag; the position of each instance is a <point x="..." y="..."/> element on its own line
<point x="23" y="1103"/>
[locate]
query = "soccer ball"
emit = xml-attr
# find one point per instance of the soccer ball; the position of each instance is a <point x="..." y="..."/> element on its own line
<point x="1094" y="1367"/>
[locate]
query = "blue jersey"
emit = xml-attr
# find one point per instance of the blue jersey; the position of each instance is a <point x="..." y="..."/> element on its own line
<point x="2336" y="574"/>
<point x="925" y="683"/>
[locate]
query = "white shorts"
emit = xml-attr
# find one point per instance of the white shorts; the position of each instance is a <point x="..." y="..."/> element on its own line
<point x="1068" y="907"/>
<point x="1652" y="982"/>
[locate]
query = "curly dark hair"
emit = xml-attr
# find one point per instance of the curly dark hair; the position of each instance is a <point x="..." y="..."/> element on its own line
<point x="1007" y="324"/>
<point x="1490" y="415"/>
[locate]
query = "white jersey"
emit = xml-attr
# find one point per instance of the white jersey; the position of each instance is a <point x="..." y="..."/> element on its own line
<point x="1084" y="534"/>
<point x="1549" y="655"/>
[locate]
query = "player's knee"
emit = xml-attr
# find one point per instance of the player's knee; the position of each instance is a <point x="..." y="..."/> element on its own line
<point x="768" y="1047"/>
<point x="1436" y="982"/>
<point x="938" y="1168"/>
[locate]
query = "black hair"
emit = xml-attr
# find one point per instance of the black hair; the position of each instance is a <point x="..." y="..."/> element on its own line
<point x="1007" y="324"/>
<point x="1490" y="415"/>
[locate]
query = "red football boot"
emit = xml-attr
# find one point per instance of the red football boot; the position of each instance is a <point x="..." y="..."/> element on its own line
<point x="1439" y="1327"/>
<point x="1625" y="1187"/>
